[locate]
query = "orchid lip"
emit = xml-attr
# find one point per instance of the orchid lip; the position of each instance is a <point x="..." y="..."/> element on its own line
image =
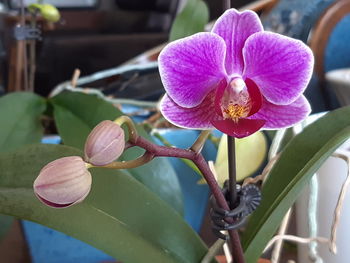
<point x="234" y="100"/>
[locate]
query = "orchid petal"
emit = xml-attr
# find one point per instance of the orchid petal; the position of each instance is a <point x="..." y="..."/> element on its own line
<point x="199" y="117"/>
<point x="283" y="116"/>
<point x="191" y="67"/>
<point x="240" y="129"/>
<point x="280" y="66"/>
<point x="220" y="90"/>
<point x="255" y="96"/>
<point x="235" y="27"/>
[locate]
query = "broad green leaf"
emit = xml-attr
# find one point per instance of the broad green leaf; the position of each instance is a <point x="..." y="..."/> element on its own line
<point x="20" y="114"/>
<point x="192" y="19"/>
<point x="120" y="216"/>
<point x="299" y="160"/>
<point x="76" y="114"/>
<point x="250" y="153"/>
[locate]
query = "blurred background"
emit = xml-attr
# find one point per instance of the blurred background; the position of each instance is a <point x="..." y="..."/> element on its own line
<point x="92" y="35"/>
<point x="115" y="44"/>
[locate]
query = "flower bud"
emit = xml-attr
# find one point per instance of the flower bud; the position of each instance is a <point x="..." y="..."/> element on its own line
<point x="63" y="182"/>
<point x="104" y="144"/>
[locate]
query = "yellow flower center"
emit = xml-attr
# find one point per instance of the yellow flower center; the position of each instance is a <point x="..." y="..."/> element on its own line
<point x="235" y="102"/>
<point x="236" y="111"/>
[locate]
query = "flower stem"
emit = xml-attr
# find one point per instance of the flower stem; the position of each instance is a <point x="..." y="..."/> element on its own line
<point x="153" y="150"/>
<point x="199" y="161"/>
<point x="131" y="127"/>
<point x="236" y="247"/>
<point x="145" y="158"/>
<point x="231" y="152"/>
<point x="237" y="252"/>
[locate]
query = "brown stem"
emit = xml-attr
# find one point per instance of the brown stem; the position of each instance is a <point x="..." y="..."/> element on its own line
<point x="145" y="158"/>
<point x="236" y="248"/>
<point x="231" y="156"/>
<point x="153" y="150"/>
<point x="237" y="251"/>
<point x="163" y="151"/>
<point x="198" y="159"/>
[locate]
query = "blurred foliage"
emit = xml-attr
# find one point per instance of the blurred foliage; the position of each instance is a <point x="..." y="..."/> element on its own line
<point x="20" y="114"/>
<point x="47" y="11"/>
<point x="192" y="19"/>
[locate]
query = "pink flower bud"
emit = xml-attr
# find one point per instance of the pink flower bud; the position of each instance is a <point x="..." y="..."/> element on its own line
<point x="104" y="144"/>
<point x="63" y="182"/>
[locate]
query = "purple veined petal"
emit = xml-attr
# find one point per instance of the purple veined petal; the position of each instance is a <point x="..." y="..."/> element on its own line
<point x="280" y="66"/>
<point x="235" y="27"/>
<point x="199" y="117"/>
<point x="283" y="116"/>
<point x="219" y="93"/>
<point x="191" y="67"/>
<point x="255" y="96"/>
<point x="240" y="129"/>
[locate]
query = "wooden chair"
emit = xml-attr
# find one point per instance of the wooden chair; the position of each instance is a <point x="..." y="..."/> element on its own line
<point x="329" y="42"/>
<point x="335" y="18"/>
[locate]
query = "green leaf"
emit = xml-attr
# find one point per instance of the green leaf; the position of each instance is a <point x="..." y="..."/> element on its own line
<point x="76" y="114"/>
<point x="300" y="159"/>
<point x="20" y="120"/>
<point x="120" y="216"/>
<point x="250" y="153"/>
<point x="191" y="20"/>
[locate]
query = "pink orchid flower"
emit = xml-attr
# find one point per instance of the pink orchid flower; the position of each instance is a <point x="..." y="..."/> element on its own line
<point x="237" y="78"/>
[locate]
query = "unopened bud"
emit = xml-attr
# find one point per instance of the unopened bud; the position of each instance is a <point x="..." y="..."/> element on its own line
<point x="104" y="144"/>
<point x="63" y="182"/>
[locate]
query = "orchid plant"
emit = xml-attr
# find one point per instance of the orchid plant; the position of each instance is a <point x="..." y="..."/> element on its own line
<point x="237" y="79"/>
